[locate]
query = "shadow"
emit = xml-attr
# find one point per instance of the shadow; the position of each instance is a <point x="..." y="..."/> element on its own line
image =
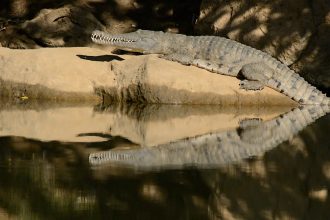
<point x="102" y="58"/>
<point x="64" y="20"/>
<point x="107" y="136"/>
<point x="113" y="141"/>
<point x="296" y="35"/>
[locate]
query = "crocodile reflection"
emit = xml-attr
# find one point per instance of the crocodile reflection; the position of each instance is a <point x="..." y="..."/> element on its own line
<point x="252" y="138"/>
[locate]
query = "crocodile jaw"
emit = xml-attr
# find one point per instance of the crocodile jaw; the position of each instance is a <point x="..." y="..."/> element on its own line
<point x="129" y="42"/>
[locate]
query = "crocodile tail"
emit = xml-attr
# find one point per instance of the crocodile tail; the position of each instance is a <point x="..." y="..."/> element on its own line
<point x="327" y="102"/>
<point x="308" y="94"/>
<point x="305" y="93"/>
<point x="296" y="87"/>
<point x="325" y="105"/>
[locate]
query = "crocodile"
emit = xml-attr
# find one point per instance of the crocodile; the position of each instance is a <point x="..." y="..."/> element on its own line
<point x="220" y="55"/>
<point x="252" y="138"/>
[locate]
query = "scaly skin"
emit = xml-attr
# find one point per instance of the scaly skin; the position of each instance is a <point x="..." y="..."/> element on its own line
<point x="222" y="56"/>
<point x="216" y="149"/>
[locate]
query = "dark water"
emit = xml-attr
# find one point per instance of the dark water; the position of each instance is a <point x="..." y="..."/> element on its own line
<point x="163" y="162"/>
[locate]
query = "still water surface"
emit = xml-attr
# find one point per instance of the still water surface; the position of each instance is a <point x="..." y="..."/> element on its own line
<point x="163" y="162"/>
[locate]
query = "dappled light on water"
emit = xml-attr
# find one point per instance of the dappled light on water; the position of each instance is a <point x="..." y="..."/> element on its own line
<point x="163" y="161"/>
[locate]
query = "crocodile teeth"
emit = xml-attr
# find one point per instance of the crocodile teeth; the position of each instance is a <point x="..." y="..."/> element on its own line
<point x="122" y="40"/>
<point x="103" y="39"/>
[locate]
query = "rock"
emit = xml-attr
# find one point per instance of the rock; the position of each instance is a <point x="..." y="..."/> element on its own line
<point x="92" y="74"/>
<point x="314" y="64"/>
<point x="69" y="25"/>
<point x="297" y="34"/>
<point x="126" y="15"/>
<point x="66" y="26"/>
<point x="48" y="23"/>
<point x="12" y="37"/>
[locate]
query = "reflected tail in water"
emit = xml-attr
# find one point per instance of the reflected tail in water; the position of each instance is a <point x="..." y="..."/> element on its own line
<point x="252" y="138"/>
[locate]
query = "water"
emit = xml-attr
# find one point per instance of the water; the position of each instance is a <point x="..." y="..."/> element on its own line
<point x="64" y="161"/>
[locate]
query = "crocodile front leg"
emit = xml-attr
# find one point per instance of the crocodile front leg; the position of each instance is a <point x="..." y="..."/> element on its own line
<point x="216" y="68"/>
<point x="183" y="59"/>
<point x="204" y="64"/>
<point x="251" y="85"/>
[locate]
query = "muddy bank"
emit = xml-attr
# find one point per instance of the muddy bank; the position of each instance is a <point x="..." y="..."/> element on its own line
<point x="91" y="74"/>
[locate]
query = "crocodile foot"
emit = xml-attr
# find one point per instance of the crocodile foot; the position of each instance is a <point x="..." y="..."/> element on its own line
<point x="251" y="85"/>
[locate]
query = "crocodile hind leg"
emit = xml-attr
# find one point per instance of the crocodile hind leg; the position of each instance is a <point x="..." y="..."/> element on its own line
<point x="256" y="76"/>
